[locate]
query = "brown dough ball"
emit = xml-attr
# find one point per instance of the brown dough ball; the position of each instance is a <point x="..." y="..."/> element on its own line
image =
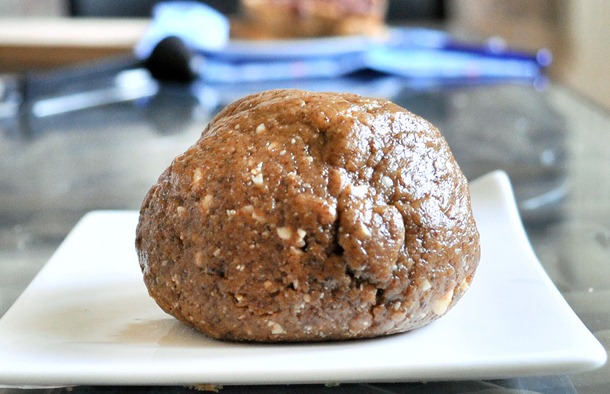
<point x="302" y="216"/>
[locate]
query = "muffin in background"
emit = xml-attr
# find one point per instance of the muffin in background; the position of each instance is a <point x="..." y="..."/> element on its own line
<point x="282" y="19"/>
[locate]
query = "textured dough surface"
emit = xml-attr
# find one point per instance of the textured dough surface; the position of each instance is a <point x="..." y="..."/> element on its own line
<point x="301" y="216"/>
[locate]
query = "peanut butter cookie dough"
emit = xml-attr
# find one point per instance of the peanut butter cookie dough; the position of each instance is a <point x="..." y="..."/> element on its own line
<point x="302" y="216"/>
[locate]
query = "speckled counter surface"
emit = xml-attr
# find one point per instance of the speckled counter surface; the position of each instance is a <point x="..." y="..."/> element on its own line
<point x="554" y="145"/>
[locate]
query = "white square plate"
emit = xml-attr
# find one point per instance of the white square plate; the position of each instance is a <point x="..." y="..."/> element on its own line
<point x="87" y="319"/>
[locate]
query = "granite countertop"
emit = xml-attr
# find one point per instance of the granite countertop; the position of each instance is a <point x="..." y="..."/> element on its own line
<point x="551" y="142"/>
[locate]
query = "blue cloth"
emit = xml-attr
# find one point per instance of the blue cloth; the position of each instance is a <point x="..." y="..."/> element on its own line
<point x="200" y="26"/>
<point x="414" y="53"/>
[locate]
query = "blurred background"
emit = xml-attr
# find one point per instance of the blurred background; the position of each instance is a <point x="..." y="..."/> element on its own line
<point x="47" y="33"/>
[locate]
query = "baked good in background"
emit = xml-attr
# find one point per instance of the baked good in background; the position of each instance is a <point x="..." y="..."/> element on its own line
<point x="281" y="19"/>
<point x="302" y="216"/>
